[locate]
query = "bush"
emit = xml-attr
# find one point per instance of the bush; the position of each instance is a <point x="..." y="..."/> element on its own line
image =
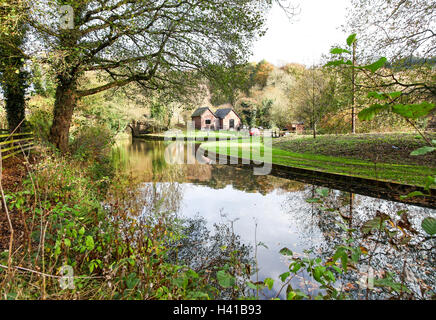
<point x="92" y="145"/>
<point x="40" y="116"/>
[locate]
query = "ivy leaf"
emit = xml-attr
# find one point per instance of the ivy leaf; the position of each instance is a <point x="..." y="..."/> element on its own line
<point x="351" y="39"/>
<point x="429" y="226"/>
<point x="422" y="151"/>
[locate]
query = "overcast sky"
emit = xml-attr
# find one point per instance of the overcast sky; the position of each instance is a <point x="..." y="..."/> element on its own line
<point x="306" y="37"/>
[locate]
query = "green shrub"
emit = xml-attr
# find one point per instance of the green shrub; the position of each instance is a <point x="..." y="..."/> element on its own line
<point x="40" y="121"/>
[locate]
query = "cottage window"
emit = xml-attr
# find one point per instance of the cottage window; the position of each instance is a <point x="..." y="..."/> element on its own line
<point x="208" y="121"/>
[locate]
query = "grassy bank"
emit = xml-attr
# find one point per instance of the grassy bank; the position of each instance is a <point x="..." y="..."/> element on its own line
<point x="381" y="157"/>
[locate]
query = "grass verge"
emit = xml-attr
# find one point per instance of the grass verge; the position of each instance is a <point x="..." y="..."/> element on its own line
<point x="332" y="157"/>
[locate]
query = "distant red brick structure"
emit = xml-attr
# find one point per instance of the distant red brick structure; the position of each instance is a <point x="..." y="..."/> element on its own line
<point x="204" y="118"/>
<point x="226" y="119"/>
<point x="297" y="127"/>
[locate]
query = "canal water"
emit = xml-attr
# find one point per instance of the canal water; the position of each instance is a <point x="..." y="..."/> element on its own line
<point x="268" y="213"/>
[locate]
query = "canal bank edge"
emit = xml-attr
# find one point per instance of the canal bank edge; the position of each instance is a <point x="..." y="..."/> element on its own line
<point x="386" y="190"/>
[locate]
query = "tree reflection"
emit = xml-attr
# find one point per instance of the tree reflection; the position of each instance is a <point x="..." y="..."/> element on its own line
<point x="146" y="159"/>
<point x="206" y="252"/>
<point x="407" y="254"/>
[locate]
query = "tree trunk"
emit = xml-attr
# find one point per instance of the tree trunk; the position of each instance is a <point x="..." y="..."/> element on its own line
<point x="15" y="102"/>
<point x="65" y="103"/>
<point x="13" y="78"/>
<point x="353" y="89"/>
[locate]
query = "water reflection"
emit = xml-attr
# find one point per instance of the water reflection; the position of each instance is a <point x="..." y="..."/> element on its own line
<point x="224" y="206"/>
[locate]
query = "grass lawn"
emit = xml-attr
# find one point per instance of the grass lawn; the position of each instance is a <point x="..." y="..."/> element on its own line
<point x="366" y="156"/>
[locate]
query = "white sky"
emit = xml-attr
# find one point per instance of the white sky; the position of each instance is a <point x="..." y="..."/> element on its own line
<point x="306" y="37"/>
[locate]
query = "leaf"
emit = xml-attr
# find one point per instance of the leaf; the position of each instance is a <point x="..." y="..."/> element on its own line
<point x="351" y="39"/>
<point x="318" y="271"/>
<point x="313" y="200"/>
<point x="132" y="280"/>
<point x="339" y="51"/>
<point x="373" y="67"/>
<point x="395" y="94"/>
<point x="429" y="226"/>
<point x="355" y="254"/>
<point x="335" y="63"/>
<point x="376" y="223"/>
<point x="284" y="276"/>
<point x="269" y="283"/>
<point x="67" y="242"/>
<point x="341" y="253"/>
<point x="89" y="242"/>
<point x="225" y="279"/>
<point x="323" y="192"/>
<point x="286" y="252"/>
<point x="389" y="283"/>
<point x="413" y="194"/>
<point x="378" y="95"/>
<point x="261" y="244"/>
<point x="413" y="111"/>
<point x="429" y="180"/>
<point x="252" y="285"/>
<point x="422" y="151"/>
<point x="370" y="113"/>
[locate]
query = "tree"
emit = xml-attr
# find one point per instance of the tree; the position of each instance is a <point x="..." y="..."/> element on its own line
<point x="398" y="30"/>
<point x="351" y="51"/>
<point x="264" y="113"/>
<point x="13" y="76"/>
<point x="247" y="109"/>
<point x="395" y="29"/>
<point x="157" y="44"/>
<point x="226" y="83"/>
<point x="261" y="73"/>
<point x="313" y="96"/>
